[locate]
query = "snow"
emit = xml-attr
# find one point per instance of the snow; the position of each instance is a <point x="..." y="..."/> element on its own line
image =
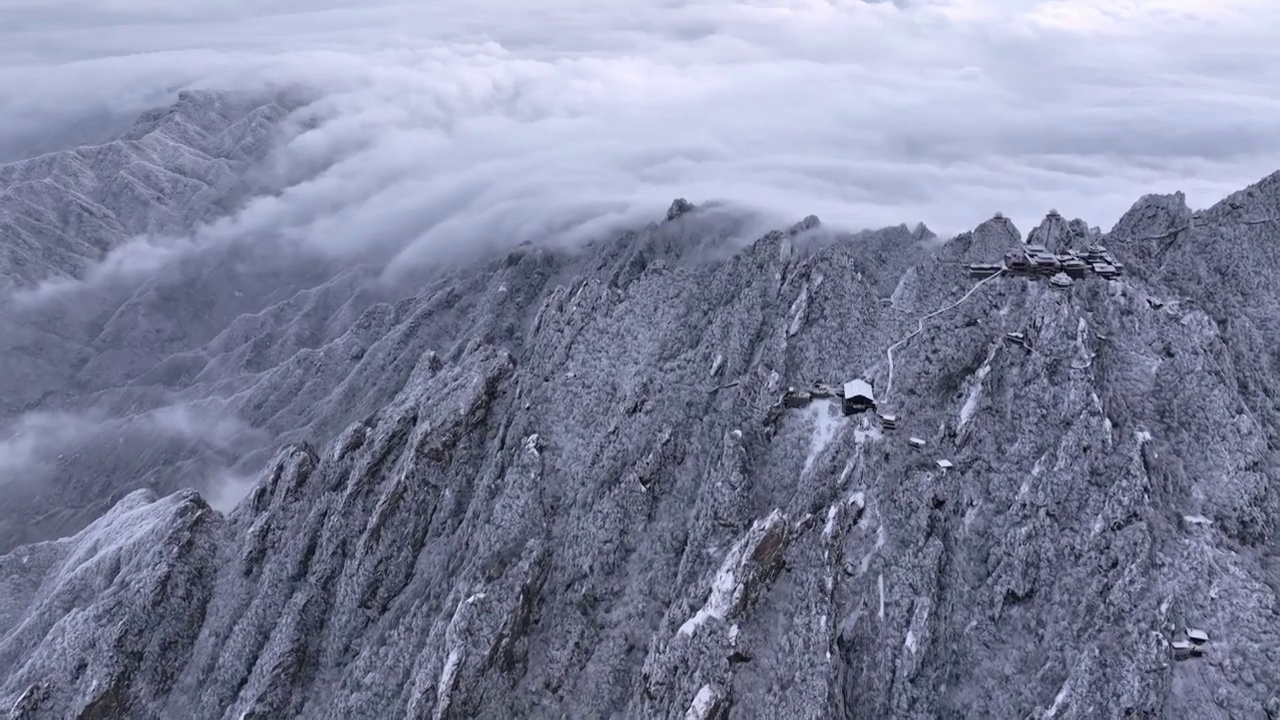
<point x="848" y="468"/>
<point x="130" y="522"/>
<point x="971" y="399"/>
<point x="733" y="634"/>
<point x="902" y="288"/>
<point x="857" y="387"/>
<point x="1197" y="519"/>
<point x="723" y="589"/>
<point x="862" y="435"/>
<point x="798" y="309"/>
<point x="910" y="642"/>
<point x="702" y="703"/>
<point x="445" y="687"/>
<point x="1142" y="436"/>
<point x="1059" y="699"/>
<point x="970" y="406"/>
<point x="830" y="527"/>
<point x="880" y="586"/>
<point x="866" y="559"/>
<point x="28" y="699"/>
<point x="827" y="422"/>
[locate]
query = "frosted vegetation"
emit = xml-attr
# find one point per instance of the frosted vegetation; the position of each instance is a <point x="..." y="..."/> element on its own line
<point x="560" y="483"/>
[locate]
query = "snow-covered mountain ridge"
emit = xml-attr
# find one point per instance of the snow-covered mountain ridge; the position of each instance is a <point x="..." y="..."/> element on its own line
<point x="561" y="483"/>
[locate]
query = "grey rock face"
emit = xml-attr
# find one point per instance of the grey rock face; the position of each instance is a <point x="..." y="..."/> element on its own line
<point x="560" y="485"/>
<point x="1059" y="235"/>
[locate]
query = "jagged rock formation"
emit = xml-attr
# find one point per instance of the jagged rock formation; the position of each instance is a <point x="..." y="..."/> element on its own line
<point x="1058" y="235"/>
<point x="558" y="484"/>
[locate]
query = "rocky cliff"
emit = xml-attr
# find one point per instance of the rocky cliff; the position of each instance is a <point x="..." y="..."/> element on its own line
<point x="561" y="484"/>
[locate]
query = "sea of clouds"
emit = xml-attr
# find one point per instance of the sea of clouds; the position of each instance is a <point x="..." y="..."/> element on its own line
<point x="442" y="124"/>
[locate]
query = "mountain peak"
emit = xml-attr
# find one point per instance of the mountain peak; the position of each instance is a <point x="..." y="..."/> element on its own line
<point x="679" y="207"/>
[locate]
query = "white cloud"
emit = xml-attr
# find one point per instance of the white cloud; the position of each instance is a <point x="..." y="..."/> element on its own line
<point x="225" y="490"/>
<point x="31" y="443"/>
<point x="133" y="261"/>
<point x="447" y="126"/>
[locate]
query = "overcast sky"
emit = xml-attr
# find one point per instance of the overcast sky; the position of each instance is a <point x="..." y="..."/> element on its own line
<point x="542" y="114"/>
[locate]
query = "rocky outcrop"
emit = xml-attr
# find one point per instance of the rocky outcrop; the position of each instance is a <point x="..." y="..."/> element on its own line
<point x="1059" y="235"/>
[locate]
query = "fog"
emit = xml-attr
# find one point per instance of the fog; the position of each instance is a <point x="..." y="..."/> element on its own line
<point x="444" y="126"/>
<point x="32" y="445"/>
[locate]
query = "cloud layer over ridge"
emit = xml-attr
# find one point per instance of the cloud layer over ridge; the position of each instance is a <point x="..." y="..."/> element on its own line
<point x="446" y="125"/>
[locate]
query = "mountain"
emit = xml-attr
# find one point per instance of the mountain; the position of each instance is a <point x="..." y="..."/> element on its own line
<point x="561" y="483"/>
